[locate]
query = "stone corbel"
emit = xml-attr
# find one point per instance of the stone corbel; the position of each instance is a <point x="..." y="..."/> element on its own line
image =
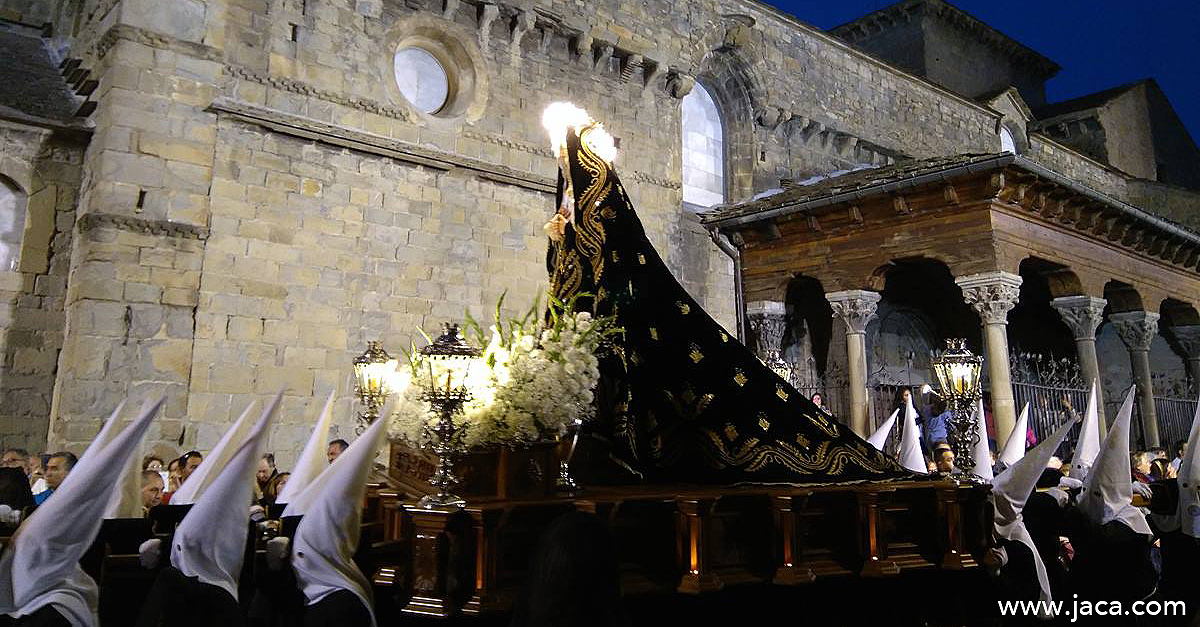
<point x="679" y="84"/>
<point x="581" y="48"/>
<point x="450" y="8"/>
<point x="770" y="117"/>
<point x="488" y="13"/>
<point x="522" y="23"/>
<point x="601" y="53"/>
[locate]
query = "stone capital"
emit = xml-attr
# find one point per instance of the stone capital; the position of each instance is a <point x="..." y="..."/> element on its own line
<point x="1188" y="337"/>
<point x="1136" y="328"/>
<point x="991" y="294"/>
<point x="768" y="321"/>
<point x="855" y="307"/>
<point x="1082" y="313"/>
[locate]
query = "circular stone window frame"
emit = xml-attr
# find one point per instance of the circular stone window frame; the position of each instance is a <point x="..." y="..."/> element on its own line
<point x="454" y="48"/>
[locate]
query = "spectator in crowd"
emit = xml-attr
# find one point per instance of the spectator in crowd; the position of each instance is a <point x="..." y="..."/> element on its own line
<point x="1180" y="450"/>
<point x="943" y="457"/>
<point x="16" y="458"/>
<point x="173" y="475"/>
<point x="336" y="448"/>
<point x="152" y="490"/>
<point x="934" y="429"/>
<point x="37" y="472"/>
<point x="57" y="468"/>
<point x="265" y="472"/>
<point x="819" y="401"/>
<point x="14" y="489"/>
<point x="152" y="462"/>
<point x="273" y="488"/>
<point x="1140" y="462"/>
<point x="188" y="463"/>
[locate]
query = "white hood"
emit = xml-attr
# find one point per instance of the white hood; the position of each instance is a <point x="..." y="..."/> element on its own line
<point x="981" y="452"/>
<point x="879" y="438"/>
<point x="1010" y="491"/>
<point x="328" y="534"/>
<point x="41" y="565"/>
<point x="1014" y="446"/>
<point x="1088" y="445"/>
<point x="909" y="455"/>
<point x="216" y="460"/>
<point x="1108" y="489"/>
<point x="1189" y="482"/>
<point x="210" y="542"/>
<point x="313" y="459"/>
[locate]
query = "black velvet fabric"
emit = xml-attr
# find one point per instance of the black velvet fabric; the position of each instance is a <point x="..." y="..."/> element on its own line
<point x="340" y="609"/>
<point x="176" y="600"/>
<point x="681" y="400"/>
<point x="46" y="616"/>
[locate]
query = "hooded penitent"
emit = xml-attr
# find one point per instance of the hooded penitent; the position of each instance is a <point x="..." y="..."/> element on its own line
<point x="210" y="542"/>
<point x="217" y="459"/>
<point x="1189" y="482"/>
<point x="41" y="565"/>
<point x="881" y="434"/>
<point x="680" y="398"/>
<point x="1011" y="489"/>
<point x="1088" y="445"/>
<point x="328" y="534"/>
<point x="909" y="453"/>
<point x="1014" y="446"/>
<point x="1108" y="491"/>
<point x="313" y="460"/>
<point x="981" y="452"/>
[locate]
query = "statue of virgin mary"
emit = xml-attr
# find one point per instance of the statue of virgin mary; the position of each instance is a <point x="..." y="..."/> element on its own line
<point x="680" y="400"/>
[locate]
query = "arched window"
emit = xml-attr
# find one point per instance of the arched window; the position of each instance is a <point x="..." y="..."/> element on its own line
<point x="1007" y="144"/>
<point x="703" y="149"/>
<point x="12" y="225"/>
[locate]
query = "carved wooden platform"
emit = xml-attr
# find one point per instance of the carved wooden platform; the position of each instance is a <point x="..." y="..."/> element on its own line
<point x="691" y="540"/>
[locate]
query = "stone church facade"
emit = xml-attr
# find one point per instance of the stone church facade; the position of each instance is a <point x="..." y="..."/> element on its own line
<point x="219" y="199"/>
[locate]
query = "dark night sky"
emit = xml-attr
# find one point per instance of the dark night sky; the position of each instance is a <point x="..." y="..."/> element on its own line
<point x="1098" y="43"/>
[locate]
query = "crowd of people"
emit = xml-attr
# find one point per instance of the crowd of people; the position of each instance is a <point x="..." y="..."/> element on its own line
<point x="44" y="472"/>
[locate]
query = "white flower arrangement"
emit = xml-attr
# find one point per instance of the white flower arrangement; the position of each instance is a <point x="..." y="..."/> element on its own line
<point x="536" y="379"/>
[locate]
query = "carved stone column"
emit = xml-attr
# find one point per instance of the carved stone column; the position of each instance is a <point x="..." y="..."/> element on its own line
<point x="992" y="295"/>
<point x="1137" y="330"/>
<point x="1188" y="337"/>
<point x="1083" y="314"/>
<point x="856" y="308"/>
<point x="768" y="321"/>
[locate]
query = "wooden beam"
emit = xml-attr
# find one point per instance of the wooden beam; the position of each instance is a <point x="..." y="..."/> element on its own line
<point x="900" y="205"/>
<point x="949" y="194"/>
<point x="855" y="214"/>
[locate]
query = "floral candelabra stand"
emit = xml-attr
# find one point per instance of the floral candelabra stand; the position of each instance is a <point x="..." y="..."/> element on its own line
<point x="453" y="355"/>
<point x="957" y="371"/>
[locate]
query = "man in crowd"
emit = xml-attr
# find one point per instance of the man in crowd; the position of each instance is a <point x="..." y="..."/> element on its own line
<point x="264" y="472"/>
<point x="188" y="463"/>
<point x="57" y="468"/>
<point x="1180" y="450"/>
<point x="16" y="458"/>
<point x="152" y="489"/>
<point x="943" y="457"/>
<point x="335" y="448"/>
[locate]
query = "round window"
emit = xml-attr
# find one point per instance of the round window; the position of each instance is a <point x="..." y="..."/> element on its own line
<point x="421" y="79"/>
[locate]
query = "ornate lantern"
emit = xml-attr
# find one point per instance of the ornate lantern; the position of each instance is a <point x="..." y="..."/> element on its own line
<point x="958" y="371"/>
<point x="451" y="358"/>
<point x="372" y="370"/>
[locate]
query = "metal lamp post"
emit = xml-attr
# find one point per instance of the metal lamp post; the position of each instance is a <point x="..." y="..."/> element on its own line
<point x="446" y="394"/>
<point x="372" y="370"/>
<point x="957" y="371"/>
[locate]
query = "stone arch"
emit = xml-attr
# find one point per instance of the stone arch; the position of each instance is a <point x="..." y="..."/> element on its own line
<point x="808" y="339"/>
<point x="1177" y="313"/>
<point x="926" y="284"/>
<point x="724" y="64"/>
<point x="1122" y="297"/>
<point x="1060" y="279"/>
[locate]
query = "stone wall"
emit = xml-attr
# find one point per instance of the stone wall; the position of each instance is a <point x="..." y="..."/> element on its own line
<point x="44" y="172"/>
<point x="258" y="200"/>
